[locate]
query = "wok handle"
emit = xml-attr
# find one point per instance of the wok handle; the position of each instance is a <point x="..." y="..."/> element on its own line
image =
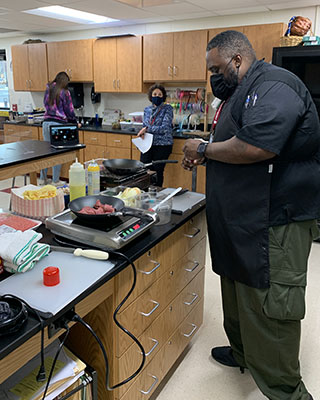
<point x="164" y="162"/>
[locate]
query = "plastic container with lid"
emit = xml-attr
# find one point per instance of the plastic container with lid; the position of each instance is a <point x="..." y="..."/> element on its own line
<point x="93" y="178"/>
<point x="77" y="180"/>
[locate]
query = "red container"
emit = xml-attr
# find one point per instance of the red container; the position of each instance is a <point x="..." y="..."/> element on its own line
<point x="51" y="276"/>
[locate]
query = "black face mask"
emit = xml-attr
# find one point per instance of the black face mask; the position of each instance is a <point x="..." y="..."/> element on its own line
<point x="224" y="88"/>
<point x="156" y="100"/>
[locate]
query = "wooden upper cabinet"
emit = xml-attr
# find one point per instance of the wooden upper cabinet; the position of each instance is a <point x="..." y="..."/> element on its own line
<point x="178" y="56"/>
<point x="118" y="64"/>
<point x="20" y="66"/>
<point x="38" y="66"/>
<point x="264" y="38"/>
<point x="105" y="65"/>
<point x="72" y="56"/>
<point x="158" y="57"/>
<point x="29" y="64"/>
<point x="129" y="64"/>
<point x="189" y="58"/>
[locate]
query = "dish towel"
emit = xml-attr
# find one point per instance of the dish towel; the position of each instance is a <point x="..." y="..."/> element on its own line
<point x="20" y="250"/>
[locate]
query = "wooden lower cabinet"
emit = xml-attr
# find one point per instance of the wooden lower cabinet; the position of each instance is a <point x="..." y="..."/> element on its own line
<point x="156" y="370"/>
<point x="164" y="314"/>
<point x="201" y="179"/>
<point x="18" y="133"/>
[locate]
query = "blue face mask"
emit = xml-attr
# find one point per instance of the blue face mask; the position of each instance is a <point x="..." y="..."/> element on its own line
<point x="156" y="100"/>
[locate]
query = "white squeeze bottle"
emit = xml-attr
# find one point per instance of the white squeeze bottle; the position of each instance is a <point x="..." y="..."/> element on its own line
<point x="77" y="180"/>
<point x="93" y="178"/>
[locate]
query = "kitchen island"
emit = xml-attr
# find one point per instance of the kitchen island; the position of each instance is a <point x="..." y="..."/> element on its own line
<point x="30" y="156"/>
<point x="163" y="312"/>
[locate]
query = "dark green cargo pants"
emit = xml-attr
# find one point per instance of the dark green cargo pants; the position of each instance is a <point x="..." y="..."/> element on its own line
<point x="263" y="325"/>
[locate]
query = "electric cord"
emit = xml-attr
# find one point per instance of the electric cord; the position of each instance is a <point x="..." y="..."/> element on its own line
<point x="66" y="327"/>
<point x="41" y="377"/>
<point x="77" y="318"/>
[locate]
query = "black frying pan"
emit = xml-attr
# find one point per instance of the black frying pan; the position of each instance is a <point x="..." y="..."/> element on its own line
<point x="123" y="166"/>
<point x="77" y="204"/>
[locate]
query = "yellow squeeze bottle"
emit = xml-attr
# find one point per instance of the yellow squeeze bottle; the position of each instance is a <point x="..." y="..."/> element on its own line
<point x="77" y="180"/>
<point x="93" y="178"/>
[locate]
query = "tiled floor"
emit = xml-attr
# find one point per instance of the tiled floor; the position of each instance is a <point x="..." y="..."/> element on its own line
<point x="198" y="377"/>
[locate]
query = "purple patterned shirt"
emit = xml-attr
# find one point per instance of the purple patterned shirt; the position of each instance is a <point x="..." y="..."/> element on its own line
<point x="62" y="112"/>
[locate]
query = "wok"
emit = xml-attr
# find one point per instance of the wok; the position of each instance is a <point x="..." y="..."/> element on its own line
<point x="123" y="166"/>
<point x="77" y="204"/>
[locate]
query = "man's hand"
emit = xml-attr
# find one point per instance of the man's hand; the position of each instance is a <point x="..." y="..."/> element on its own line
<point x="142" y="132"/>
<point x="190" y="150"/>
<point x="189" y="164"/>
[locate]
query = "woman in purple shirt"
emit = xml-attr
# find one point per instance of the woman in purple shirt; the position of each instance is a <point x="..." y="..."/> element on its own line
<point x="59" y="110"/>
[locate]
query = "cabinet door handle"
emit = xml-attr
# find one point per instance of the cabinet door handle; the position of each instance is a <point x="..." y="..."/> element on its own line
<point x="114" y="84"/>
<point x="30" y="83"/>
<point x="153" y="347"/>
<point x="188" y="303"/>
<point x="118" y="83"/>
<point x="169" y="70"/>
<point x="194" y="328"/>
<point x="157" y="265"/>
<point x="156" y="380"/>
<point x="195" y="265"/>
<point x="192" y="235"/>
<point x="175" y="69"/>
<point x="27" y="87"/>
<point x="152" y="311"/>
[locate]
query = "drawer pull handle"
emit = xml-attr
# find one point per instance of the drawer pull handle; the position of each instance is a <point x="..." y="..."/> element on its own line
<point x="153" y="347"/>
<point x="195" y="296"/>
<point x="156" y="380"/>
<point x="195" y="265"/>
<point x="152" y="270"/>
<point x="94" y="138"/>
<point x="194" y="328"/>
<point x="152" y="311"/>
<point x="117" y="141"/>
<point x="192" y="235"/>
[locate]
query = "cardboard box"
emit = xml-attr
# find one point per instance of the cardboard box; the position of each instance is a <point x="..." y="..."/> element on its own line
<point x="37" y="209"/>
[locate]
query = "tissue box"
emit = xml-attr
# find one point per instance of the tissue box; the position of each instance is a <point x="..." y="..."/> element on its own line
<point x="37" y="209"/>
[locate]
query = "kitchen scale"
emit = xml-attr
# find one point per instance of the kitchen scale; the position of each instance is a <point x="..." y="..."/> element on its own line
<point x="118" y="232"/>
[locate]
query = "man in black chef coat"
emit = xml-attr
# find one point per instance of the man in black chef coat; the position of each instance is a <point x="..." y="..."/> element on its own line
<point x="263" y="199"/>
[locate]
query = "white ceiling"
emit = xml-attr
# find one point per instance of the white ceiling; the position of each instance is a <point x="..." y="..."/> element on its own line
<point x="129" y="12"/>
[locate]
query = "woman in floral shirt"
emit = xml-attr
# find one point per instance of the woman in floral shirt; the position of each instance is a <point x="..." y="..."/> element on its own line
<point x="157" y="120"/>
<point x="59" y="110"/>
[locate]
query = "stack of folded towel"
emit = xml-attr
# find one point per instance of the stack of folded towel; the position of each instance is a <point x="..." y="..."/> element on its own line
<point x="21" y="250"/>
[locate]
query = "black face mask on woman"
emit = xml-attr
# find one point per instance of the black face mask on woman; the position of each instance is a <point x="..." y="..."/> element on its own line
<point x="156" y="100"/>
<point x="224" y="88"/>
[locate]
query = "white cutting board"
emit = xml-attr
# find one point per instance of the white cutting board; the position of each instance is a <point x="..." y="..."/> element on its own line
<point x="76" y="275"/>
<point x="185" y="201"/>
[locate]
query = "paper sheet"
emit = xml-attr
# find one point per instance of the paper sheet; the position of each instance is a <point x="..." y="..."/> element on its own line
<point x="143" y="144"/>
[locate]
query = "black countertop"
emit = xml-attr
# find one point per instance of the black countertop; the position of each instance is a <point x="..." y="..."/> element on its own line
<point x="28" y="150"/>
<point x="133" y="250"/>
<point x="109" y="129"/>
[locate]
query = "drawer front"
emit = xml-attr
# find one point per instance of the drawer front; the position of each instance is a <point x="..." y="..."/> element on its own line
<point x="116" y="140"/>
<point x="189" y="234"/>
<point x="186" y="268"/>
<point x="141" y="313"/>
<point x="149" y="267"/>
<point x="182" y="336"/>
<point x="28" y="133"/>
<point x="118" y="152"/>
<point x="98" y="138"/>
<point x="154" y="337"/>
<point x="154" y="372"/>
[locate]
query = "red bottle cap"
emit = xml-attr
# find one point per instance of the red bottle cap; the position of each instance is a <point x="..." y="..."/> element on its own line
<point x="51" y="276"/>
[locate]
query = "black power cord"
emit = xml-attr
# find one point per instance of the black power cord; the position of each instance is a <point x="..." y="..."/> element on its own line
<point x="77" y="318"/>
<point x="41" y="377"/>
<point x="66" y="327"/>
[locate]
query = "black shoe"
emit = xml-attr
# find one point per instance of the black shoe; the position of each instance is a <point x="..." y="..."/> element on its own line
<point x="223" y="355"/>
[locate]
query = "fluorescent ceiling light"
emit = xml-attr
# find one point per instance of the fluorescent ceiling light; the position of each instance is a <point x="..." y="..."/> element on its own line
<point x="70" y="14"/>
